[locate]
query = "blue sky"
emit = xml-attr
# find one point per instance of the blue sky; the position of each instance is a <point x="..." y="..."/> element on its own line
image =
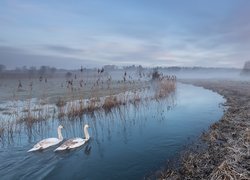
<point x="93" y="33"/>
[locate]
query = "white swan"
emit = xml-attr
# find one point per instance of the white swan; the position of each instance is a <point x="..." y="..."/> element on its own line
<point x="45" y="143"/>
<point x="75" y="142"/>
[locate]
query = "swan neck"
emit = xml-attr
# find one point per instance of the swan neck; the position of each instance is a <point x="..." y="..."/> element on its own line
<point x="59" y="131"/>
<point x="86" y="133"/>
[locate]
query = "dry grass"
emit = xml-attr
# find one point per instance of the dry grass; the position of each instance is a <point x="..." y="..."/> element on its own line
<point x="227" y="171"/>
<point x="111" y="102"/>
<point x="1" y="130"/>
<point x="91" y="105"/>
<point x="7" y="130"/>
<point x="227" y="151"/>
<point x="31" y="118"/>
<point x="164" y="88"/>
<point x="60" y="102"/>
<point x="76" y="96"/>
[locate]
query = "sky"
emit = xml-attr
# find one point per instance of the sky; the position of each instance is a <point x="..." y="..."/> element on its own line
<point x="93" y="33"/>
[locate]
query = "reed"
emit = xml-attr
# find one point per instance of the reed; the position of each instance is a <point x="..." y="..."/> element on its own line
<point x="111" y="102"/>
<point x="164" y="88"/>
<point x="72" y="105"/>
<point x="91" y="105"/>
<point x="1" y="130"/>
<point x="60" y="102"/>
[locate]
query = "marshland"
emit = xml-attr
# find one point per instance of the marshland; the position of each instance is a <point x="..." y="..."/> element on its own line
<point x="124" y="89"/>
<point x="139" y="119"/>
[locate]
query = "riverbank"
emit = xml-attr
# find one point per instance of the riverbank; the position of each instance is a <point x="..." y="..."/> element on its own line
<point x="227" y="143"/>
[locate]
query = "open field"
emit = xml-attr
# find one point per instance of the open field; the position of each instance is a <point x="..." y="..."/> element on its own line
<point x="78" y="85"/>
<point x="226" y="152"/>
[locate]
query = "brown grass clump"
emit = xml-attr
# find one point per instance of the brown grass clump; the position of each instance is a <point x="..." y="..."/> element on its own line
<point x="92" y="105"/>
<point x="111" y="102"/>
<point x="73" y="113"/>
<point x="165" y="87"/>
<point x="60" y="102"/>
<point x="31" y="118"/>
<point x="226" y="171"/>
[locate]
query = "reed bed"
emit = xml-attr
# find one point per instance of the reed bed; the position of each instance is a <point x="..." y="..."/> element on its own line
<point x="164" y="88"/>
<point x="81" y="96"/>
<point x="111" y="102"/>
<point x="1" y="130"/>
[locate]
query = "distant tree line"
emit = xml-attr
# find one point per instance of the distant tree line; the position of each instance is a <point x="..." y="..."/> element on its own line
<point x="32" y="71"/>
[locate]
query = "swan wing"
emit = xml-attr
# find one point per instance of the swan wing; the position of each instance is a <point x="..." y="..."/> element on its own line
<point x="49" y="142"/>
<point x="45" y="143"/>
<point x="71" y="143"/>
<point x="35" y="147"/>
<point x="65" y="145"/>
<point x="77" y="142"/>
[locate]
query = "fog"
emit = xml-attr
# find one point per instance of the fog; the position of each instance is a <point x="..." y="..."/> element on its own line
<point x="233" y="74"/>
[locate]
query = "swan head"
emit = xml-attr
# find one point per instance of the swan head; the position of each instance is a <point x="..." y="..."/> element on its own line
<point x="60" y="127"/>
<point x="86" y="126"/>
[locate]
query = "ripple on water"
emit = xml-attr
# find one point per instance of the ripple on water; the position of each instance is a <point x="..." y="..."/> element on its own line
<point x="126" y="144"/>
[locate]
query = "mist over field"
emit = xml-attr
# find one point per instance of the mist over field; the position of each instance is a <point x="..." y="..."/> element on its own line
<point x="127" y="89"/>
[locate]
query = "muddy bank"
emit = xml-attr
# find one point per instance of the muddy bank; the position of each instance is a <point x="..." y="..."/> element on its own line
<point x="227" y="143"/>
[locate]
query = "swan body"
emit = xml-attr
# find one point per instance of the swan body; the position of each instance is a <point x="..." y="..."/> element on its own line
<point x="45" y="143"/>
<point x="75" y="142"/>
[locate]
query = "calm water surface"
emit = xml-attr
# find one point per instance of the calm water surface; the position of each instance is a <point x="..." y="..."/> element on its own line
<point x="125" y="144"/>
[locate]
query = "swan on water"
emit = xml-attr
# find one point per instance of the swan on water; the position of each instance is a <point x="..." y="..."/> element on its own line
<point x="75" y="142"/>
<point x="45" y="143"/>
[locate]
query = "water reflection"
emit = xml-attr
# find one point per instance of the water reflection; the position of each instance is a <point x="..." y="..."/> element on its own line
<point x="125" y="143"/>
<point x="104" y="124"/>
<point x="87" y="149"/>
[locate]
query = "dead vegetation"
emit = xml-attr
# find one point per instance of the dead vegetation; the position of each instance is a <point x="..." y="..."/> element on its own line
<point x="1" y="130"/>
<point x="104" y="94"/>
<point x="164" y="88"/>
<point x="227" y="151"/>
<point x="60" y="102"/>
<point x="111" y="102"/>
<point x="73" y="109"/>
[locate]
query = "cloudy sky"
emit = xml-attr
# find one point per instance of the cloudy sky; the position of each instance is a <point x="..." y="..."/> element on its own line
<point x="66" y="34"/>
